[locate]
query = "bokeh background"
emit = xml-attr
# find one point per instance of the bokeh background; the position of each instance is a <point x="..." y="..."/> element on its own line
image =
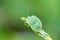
<point x="12" y="28"/>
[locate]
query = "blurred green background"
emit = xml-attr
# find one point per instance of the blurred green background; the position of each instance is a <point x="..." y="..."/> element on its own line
<point x="12" y="28"/>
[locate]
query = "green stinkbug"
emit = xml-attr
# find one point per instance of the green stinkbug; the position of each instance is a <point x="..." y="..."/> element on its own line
<point x="36" y="25"/>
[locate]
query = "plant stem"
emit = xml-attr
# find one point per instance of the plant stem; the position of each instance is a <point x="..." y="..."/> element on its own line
<point x="43" y="34"/>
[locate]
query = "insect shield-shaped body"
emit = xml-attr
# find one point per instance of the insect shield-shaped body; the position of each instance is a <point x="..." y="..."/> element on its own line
<point x="34" y="23"/>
